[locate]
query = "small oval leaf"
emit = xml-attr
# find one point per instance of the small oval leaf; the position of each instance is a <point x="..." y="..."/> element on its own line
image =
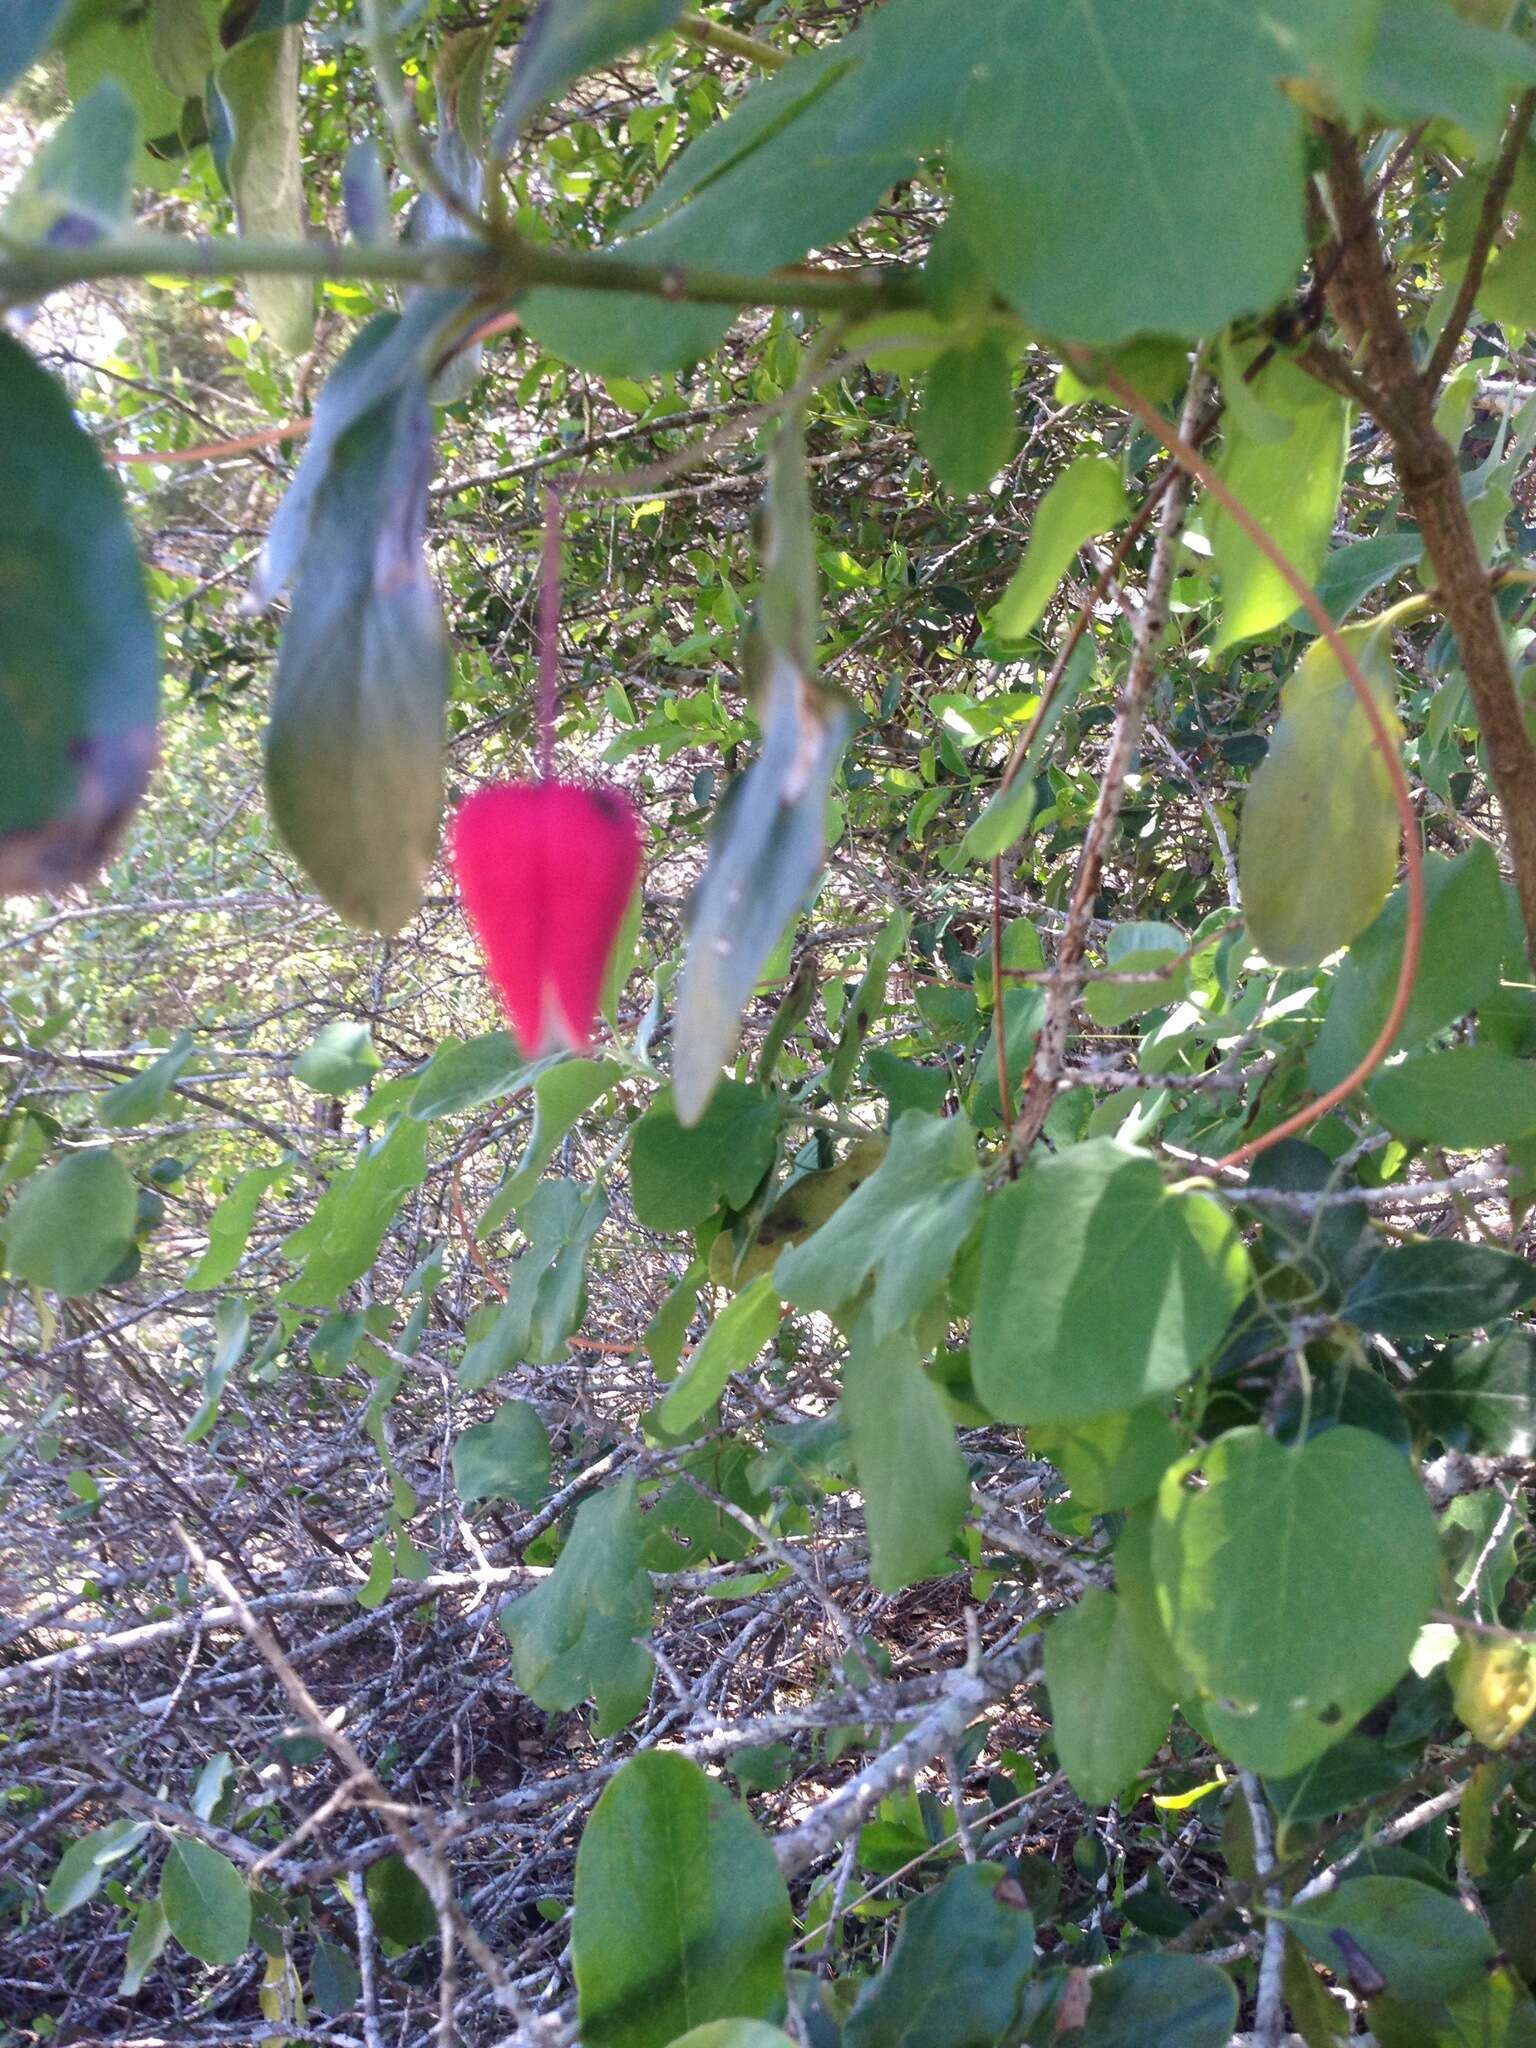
<point x="207" y="1903"/>
<point x="1318" y="850"/>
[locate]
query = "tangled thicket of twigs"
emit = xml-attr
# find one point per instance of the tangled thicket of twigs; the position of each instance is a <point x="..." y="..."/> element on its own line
<point x="124" y="1669"/>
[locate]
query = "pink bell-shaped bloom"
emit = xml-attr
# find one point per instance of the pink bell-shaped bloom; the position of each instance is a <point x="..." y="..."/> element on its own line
<point x="545" y="873"/>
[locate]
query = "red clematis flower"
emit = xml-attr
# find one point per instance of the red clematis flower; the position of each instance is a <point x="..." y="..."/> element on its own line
<point x="545" y="873"/>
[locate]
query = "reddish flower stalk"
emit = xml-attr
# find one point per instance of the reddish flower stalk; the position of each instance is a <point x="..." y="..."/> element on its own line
<point x="546" y="869"/>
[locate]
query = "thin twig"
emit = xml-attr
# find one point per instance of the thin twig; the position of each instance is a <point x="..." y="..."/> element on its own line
<point x="1489" y="220"/>
<point x="1150" y="626"/>
<point x="1195" y="466"/>
<point x="1269" y="2004"/>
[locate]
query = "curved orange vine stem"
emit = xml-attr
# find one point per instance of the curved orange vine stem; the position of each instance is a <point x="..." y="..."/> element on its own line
<point x="1191" y="461"/>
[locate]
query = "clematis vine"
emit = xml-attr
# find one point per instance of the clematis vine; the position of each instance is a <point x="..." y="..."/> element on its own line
<point x="545" y="869"/>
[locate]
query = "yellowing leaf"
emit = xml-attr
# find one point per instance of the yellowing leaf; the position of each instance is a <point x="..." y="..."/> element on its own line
<point x="804" y="1206"/>
<point x="1318" y="849"/>
<point x="1494" y="1686"/>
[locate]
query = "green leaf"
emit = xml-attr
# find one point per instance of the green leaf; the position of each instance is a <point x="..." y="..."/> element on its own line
<point x="1115" y="1460"/>
<point x="667" y="1330"/>
<point x="1426" y="62"/>
<point x="1270" y="1585"/>
<point x="1352" y="572"/>
<point x="255" y="102"/>
<point x="80" y="183"/>
<point x="182" y="44"/>
<point x="1318" y="849"/>
<point x="207" y="1903"/>
<point x="1160" y="2002"/>
<point x="561" y="1094"/>
<point x="547" y="1288"/>
<point x="1096" y="207"/>
<point x="1468" y="1098"/>
<point x="732" y="1341"/>
<point x="1425" y="1944"/>
<point x="354" y="748"/>
<point x="680" y="1913"/>
<point x="229" y="1227"/>
<point x="769" y="841"/>
<point x="1480" y="1397"/>
<point x="868" y="1002"/>
<point x="137" y="1100"/>
<point x="1329" y="47"/>
<point x="232" y="1332"/>
<point x="79" y="659"/>
<point x="911" y="1471"/>
<point x="1436" y="1287"/>
<point x="1356" y="1770"/>
<point x="1099" y="1287"/>
<point x="904" y="1225"/>
<point x="341" y="1239"/>
<point x="77" y="1875"/>
<point x="506" y="1458"/>
<point x="966" y="427"/>
<point x="1496" y="2010"/>
<point x="1023" y="1014"/>
<point x="1006" y="818"/>
<point x="72" y="1225"/>
<point x="114" y="39"/>
<point x="576" y="1634"/>
<point x="387" y="361"/>
<point x="334" y="1983"/>
<point x="374" y="1590"/>
<point x="680" y="1173"/>
<point x="1087" y="499"/>
<point x="342" y="1058"/>
<point x="566" y="38"/>
<point x="958" y="1971"/>
<point x="805" y="155"/>
<point x="1464" y="942"/>
<point x="1291" y="486"/>
<point x="212" y="1782"/>
<point x="464" y="1073"/>
<point x="765" y="857"/>
<point x="685" y="1528"/>
<point x="26" y="29"/>
<point x="1139" y="949"/>
<point x="151" y="1931"/>
<point x="1109" y="1715"/>
<point x="402" y="1906"/>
